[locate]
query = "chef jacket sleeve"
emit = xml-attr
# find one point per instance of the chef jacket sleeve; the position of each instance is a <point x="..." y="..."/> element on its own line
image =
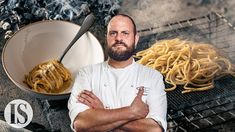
<point x="157" y="101"/>
<point x="81" y="83"/>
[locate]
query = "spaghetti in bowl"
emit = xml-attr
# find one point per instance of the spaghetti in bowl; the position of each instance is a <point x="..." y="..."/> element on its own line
<point x="46" y="40"/>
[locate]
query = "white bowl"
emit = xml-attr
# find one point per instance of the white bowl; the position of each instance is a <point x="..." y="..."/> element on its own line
<point x="43" y="41"/>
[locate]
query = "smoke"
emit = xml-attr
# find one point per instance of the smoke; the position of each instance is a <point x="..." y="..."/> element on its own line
<point x="17" y="13"/>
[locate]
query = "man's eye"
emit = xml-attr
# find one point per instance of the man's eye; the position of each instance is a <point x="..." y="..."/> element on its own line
<point x="125" y="33"/>
<point x="112" y="33"/>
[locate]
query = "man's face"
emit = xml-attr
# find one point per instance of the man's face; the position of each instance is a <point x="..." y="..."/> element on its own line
<point x="121" y="38"/>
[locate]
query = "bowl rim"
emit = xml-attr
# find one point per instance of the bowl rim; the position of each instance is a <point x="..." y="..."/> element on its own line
<point x="26" y="89"/>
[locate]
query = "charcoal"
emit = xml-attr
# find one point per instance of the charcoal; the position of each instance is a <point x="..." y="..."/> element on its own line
<point x="52" y="7"/>
<point x="40" y="12"/>
<point x="15" y="14"/>
<point x="27" y="15"/>
<point x="13" y="4"/>
<point x="57" y="17"/>
<point x="114" y="8"/>
<point x="67" y="14"/>
<point x="1" y="2"/>
<point x="6" y="26"/>
<point x="8" y="34"/>
<point x="1" y="23"/>
<point x="56" y="8"/>
<point x="14" y="19"/>
<point x="41" y="3"/>
<point x="85" y="9"/>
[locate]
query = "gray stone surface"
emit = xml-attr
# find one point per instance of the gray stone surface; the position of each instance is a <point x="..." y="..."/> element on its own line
<point x="59" y="120"/>
<point x="6" y="128"/>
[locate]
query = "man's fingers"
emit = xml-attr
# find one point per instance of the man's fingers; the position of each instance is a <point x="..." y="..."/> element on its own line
<point x="88" y="98"/>
<point x="84" y="101"/>
<point x="89" y="93"/>
<point x="140" y="92"/>
<point x="85" y="97"/>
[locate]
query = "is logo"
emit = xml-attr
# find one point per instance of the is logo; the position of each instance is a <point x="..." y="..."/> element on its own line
<point x="18" y="113"/>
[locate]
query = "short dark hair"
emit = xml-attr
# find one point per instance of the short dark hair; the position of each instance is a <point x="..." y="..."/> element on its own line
<point x="133" y="23"/>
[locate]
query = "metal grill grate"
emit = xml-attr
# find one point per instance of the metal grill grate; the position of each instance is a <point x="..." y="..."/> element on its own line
<point x="212" y="28"/>
<point x="199" y="111"/>
<point x="203" y="115"/>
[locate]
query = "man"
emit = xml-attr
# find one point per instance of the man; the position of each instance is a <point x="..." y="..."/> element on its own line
<point x="118" y="94"/>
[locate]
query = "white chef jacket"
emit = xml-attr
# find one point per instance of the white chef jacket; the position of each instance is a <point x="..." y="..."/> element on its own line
<point x="118" y="87"/>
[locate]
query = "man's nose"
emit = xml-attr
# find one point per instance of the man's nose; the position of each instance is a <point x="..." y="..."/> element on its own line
<point x="119" y="37"/>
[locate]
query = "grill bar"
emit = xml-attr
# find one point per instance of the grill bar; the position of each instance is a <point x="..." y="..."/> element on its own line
<point x="182" y="115"/>
<point x="175" y="23"/>
<point x="200" y="21"/>
<point x="197" y="123"/>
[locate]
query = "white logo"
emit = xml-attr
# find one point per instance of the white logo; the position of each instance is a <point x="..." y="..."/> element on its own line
<point x="18" y="113"/>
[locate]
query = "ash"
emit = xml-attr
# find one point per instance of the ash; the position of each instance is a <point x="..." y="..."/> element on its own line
<point x="15" y="14"/>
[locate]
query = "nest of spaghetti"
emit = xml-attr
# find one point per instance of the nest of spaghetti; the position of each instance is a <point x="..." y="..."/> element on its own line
<point x="193" y="65"/>
<point x="49" y="77"/>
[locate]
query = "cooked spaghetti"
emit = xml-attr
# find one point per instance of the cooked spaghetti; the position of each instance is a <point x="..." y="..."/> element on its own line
<point x="49" y="77"/>
<point x="193" y="65"/>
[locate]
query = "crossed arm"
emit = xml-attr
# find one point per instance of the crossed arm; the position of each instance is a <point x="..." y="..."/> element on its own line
<point x="130" y="118"/>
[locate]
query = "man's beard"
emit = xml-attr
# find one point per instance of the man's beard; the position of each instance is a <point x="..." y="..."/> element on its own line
<point x="121" y="55"/>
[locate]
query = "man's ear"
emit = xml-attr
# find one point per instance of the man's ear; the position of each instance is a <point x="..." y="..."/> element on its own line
<point x="136" y="39"/>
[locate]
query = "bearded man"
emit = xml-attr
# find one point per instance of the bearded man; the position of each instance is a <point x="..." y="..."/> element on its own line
<point x="118" y="94"/>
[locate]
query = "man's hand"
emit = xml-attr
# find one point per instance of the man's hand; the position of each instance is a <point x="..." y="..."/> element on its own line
<point x="139" y="108"/>
<point x="120" y="120"/>
<point x="88" y="98"/>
